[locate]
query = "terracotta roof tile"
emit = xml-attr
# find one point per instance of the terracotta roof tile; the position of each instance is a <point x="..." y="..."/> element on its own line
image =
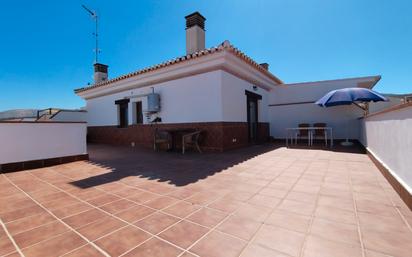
<point x="221" y="47"/>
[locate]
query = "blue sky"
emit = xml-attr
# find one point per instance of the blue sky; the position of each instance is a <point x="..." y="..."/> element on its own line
<point x="46" y="46"/>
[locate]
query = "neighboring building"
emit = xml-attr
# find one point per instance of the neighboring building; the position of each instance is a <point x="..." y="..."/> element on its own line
<point x="394" y="99"/>
<point x="19" y="115"/>
<point x="67" y="115"/>
<point x="49" y="114"/>
<point x="220" y="90"/>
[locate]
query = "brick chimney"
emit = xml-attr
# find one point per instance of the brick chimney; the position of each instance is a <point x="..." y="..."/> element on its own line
<point x="100" y="72"/>
<point x="265" y="65"/>
<point x="195" y="32"/>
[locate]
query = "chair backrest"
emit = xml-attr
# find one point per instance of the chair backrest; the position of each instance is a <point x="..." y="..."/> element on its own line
<point x="319" y="132"/>
<point x="194" y="137"/>
<point x="303" y="132"/>
<point x="160" y="134"/>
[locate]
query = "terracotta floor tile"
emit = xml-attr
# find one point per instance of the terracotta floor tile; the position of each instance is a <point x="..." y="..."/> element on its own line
<point x="347" y="195"/>
<point x="288" y="220"/>
<point x="370" y="253"/>
<point x="203" y="198"/>
<point x="48" y="197"/>
<point x="254" y="250"/>
<point x="122" y="240"/>
<point x="318" y="247"/>
<point x="15" y="254"/>
<point x="118" y="206"/>
<point x="207" y="217"/>
<point x="88" y="194"/>
<point x="56" y="246"/>
<point x="135" y="213"/>
<point x="394" y="243"/>
<point x="127" y="192"/>
<point x="17" y="205"/>
<point x="6" y="246"/>
<point x="182" y="193"/>
<point x="278" y="193"/>
<point x="38" y="234"/>
<point x="297" y="207"/>
<point x="381" y="199"/>
<point x="67" y="200"/>
<point x="240" y="227"/>
<point x="156" y="222"/>
<point x="225" y="205"/>
<point x="100" y="228"/>
<point x="103" y="199"/>
<point x="28" y="223"/>
<point x="239" y="196"/>
<point x="183" y="234"/>
<point x="255" y="212"/>
<point x="182" y="209"/>
<point x="334" y="202"/>
<point x="161" y="202"/>
<point x="21" y="213"/>
<point x="217" y="244"/>
<point x="375" y="208"/>
<point x="154" y="247"/>
<point x="142" y="197"/>
<point x="339" y="232"/>
<point x="85" y="251"/>
<point x="302" y="197"/>
<point x="279" y="239"/>
<point x="335" y="214"/>
<point x="306" y="189"/>
<point x="266" y="201"/>
<point x="187" y="254"/>
<point x="382" y="223"/>
<point x="71" y="210"/>
<point x="84" y="218"/>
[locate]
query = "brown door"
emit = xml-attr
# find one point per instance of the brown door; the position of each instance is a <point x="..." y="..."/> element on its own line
<point x="252" y="118"/>
<point x="139" y="113"/>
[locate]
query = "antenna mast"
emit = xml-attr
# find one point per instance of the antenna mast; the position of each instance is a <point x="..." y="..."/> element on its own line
<point x="94" y="16"/>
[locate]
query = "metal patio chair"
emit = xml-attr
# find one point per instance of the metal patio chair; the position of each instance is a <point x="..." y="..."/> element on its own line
<point x="161" y="137"/>
<point x="303" y="133"/>
<point x="320" y="133"/>
<point x="191" y="140"/>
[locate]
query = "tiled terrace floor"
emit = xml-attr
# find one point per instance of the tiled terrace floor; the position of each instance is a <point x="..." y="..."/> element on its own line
<point x="259" y="201"/>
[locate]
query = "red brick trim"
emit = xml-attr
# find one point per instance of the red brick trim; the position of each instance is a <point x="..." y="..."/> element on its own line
<point x="35" y="164"/>
<point x="216" y="136"/>
<point x="402" y="192"/>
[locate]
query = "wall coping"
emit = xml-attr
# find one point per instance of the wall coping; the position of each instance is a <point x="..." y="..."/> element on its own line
<point x="390" y="109"/>
<point x="35" y="122"/>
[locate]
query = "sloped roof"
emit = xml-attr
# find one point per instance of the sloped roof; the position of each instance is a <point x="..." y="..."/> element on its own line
<point x="225" y="46"/>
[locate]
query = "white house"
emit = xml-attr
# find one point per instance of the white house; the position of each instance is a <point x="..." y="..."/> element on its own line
<point x="218" y="90"/>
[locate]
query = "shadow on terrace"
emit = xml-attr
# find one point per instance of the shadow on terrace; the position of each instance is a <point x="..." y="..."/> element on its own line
<point x="171" y="167"/>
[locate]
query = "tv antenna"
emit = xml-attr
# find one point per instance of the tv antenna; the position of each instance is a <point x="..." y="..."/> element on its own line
<point x="94" y="16"/>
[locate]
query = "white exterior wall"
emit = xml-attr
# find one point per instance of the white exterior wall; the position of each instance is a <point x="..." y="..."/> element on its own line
<point x="190" y="99"/>
<point x="209" y="97"/>
<point x="75" y="116"/>
<point x="343" y="119"/>
<point x="234" y="99"/>
<point x="35" y="140"/>
<point x="388" y="137"/>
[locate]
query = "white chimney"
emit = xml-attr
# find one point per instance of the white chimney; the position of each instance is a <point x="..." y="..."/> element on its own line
<point x="195" y="32"/>
<point x="100" y="72"/>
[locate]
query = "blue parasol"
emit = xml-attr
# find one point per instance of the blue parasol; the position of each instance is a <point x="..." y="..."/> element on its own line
<point x="347" y="96"/>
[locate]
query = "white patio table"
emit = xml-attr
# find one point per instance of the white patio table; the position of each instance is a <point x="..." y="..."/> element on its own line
<point x="291" y="133"/>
